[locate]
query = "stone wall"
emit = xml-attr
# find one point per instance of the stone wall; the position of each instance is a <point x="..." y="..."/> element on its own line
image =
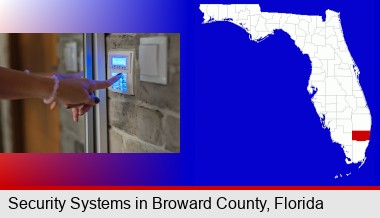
<point x="149" y="121"/>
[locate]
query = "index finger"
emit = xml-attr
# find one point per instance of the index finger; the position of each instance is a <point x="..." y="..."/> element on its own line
<point x="106" y="83"/>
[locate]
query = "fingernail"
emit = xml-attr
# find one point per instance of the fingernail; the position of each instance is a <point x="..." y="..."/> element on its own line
<point x="97" y="100"/>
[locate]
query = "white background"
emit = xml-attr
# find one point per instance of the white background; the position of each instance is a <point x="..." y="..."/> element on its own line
<point x="336" y="203"/>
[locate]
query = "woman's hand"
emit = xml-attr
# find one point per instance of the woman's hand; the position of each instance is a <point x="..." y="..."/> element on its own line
<point x="60" y="76"/>
<point x="75" y="92"/>
<point x="78" y="93"/>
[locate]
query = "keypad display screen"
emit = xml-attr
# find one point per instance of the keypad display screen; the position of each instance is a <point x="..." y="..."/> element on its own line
<point x="119" y="61"/>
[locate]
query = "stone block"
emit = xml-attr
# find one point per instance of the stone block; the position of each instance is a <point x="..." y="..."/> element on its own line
<point x="172" y="133"/>
<point x="149" y="125"/>
<point x="115" y="142"/>
<point x="164" y="96"/>
<point x="121" y="142"/>
<point x="122" y="115"/>
<point x="174" y="49"/>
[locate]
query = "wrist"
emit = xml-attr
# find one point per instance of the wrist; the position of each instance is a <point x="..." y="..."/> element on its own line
<point x="54" y="92"/>
<point x="43" y="86"/>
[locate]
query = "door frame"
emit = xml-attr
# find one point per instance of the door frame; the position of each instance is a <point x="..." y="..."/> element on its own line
<point x="96" y="126"/>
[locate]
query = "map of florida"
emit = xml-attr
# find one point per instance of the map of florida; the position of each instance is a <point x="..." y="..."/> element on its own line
<point x="334" y="81"/>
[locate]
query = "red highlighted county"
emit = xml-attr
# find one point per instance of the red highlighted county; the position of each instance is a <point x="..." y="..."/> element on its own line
<point x="362" y="135"/>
